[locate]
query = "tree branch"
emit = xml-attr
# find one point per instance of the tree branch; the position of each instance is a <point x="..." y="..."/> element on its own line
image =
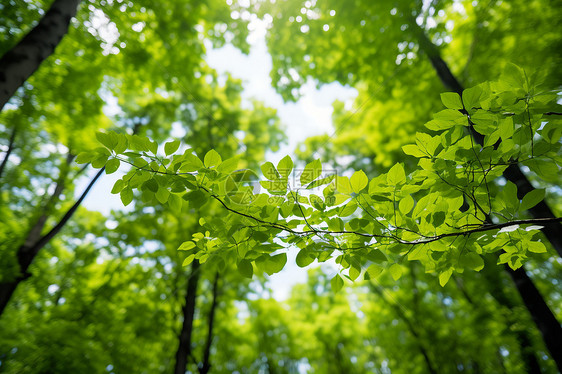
<point x="9" y="151"/>
<point x="207" y="352"/>
<point x="45" y="238"/>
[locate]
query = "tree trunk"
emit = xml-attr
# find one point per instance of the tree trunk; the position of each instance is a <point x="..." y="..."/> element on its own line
<point x="541" y="313"/>
<point x="19" y="63"/>
<point x="9" y="151"/>
<point x="34" y="243"/>
<point x="184" y="347"/>
<point x="207" y="353"/>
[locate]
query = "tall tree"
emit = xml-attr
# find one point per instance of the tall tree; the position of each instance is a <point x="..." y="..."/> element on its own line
<point x="402" y="40"/>
<point x="20" y="62"/>
<point x="80" y="69"/>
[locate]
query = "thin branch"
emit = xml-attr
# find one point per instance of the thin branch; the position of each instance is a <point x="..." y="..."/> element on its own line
<point x="48" y="236"/>
<point x="9" y="151"/>
<point x="426" y="239"/>
<point x="207" y="352"/>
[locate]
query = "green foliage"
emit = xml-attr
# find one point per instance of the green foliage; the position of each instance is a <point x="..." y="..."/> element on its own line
<point x="407" y="217"/>
<point x="106" y="294"/>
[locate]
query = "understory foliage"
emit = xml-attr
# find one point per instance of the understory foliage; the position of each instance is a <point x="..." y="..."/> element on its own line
<point x="446" y="213"/>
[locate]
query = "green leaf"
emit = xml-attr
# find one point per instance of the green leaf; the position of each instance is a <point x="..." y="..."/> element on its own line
<point x="358" y="181"/>
<point x="506" y="127"/>
<point x="275" y="264"/>
<point x="449" y="115"/>
<point x="336" y="283"/>
<point x="122" y="144"/>
<point x="118" y="186"/>
<point x="317" y="202"/>
<point x="228" y="165"/>
<point x="472" y="261"/>
<point x="484" y="122"/>
<point x="186" y="246"/>
<point x="413" y="150"/>
<point x="531" y="199"/>
<point x="354" y="272"/>
<point x="196" y="198"/>
<point x="546" y="169"/>
<point x="304" y="258"/>
<point x="509" y="193"/>
<point x="84" y="157"/>
<point x="188" y="260"/>
<point x="175" y="202"/>
<point x="471" y="97"/>
<point x="245" y="268"/>
<point x="536" y="247"/>
<point x="162" y="195"/>
<point x="99" y="161"/>
<point x="427" y="143"/>
<point x="395" y="271"/>
<point x="373" y="272"/>
<point x="171" y="147"/>
<point x="138" y="143"/>
<point x="112" y="166"/>
<point x="444" y="277"/>
<point x="212" y="158"/>
<point x="451" y="100"/>
<point x="269" y="171"/>
<point x="514" y="76"/>
<point x="191" y="163"/>
<point x="343" y="185"/>
<point x="321" y="182"/>
<point x="348" y="209"/>
<point x="106" y="139"/>
<point x="439" y="124"/>
<point x="126" y="196"/>
<point x="375" y="255"/>
<point x="406" y="204"/>
<point x="396" y="175"/>
<point x="311" y="172"/>
<point x="285" y="166"/>
<point x="151" y="145"/>
<point x="150" y="185"/>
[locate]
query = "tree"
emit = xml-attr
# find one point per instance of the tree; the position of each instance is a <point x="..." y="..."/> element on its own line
<point x="87" y="60"/>
<point x="401" y="39"/>
<point x="386" y="44"/>
<point x="111" y="293"/>
<point x="18" y="64"/>
<point x="401" y="217"/>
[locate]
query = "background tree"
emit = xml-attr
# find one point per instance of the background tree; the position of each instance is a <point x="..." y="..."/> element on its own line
<point x="108" y="292"/>
<point x="94" y="57"/>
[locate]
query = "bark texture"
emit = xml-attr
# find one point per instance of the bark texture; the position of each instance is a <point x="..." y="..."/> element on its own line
<point x="19" y="63"/>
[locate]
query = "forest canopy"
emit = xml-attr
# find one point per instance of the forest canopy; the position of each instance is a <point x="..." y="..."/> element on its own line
<point x="427" y="220"/>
